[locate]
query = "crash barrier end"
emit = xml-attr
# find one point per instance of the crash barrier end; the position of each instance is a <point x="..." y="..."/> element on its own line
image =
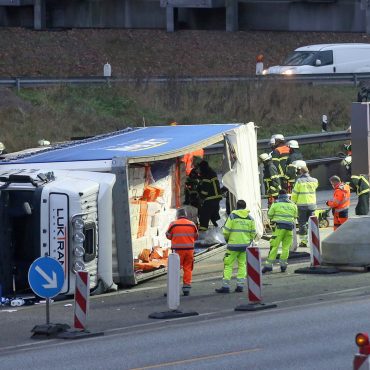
<point x="173" y="292"/>
<point x="254" y="280"/>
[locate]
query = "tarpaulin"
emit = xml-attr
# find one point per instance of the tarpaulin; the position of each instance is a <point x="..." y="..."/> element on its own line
<point x="154" y="143"/>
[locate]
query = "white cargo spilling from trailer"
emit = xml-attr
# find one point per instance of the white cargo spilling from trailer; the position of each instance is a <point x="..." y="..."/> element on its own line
<point x="99" y="204"/>
<point x="325" y="58"/>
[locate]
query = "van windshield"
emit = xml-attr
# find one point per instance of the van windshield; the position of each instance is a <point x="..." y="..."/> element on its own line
<point x="300" y="58"/>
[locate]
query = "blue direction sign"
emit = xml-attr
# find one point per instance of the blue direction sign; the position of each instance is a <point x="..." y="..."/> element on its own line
<point x="46" y="277"/>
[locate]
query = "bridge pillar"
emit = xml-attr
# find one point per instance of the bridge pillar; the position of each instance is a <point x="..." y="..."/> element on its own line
<point x="39" y="15"/>
<point x="232" y="23"/>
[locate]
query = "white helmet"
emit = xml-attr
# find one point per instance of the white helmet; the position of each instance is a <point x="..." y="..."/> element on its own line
<point x="347" y="161"/>
<point x="279" y="137"/>
<point x="299" y="164"/>
<point x="2" y="147"/>
<point x="293" y="144"/>
<point x="265" y="157"/>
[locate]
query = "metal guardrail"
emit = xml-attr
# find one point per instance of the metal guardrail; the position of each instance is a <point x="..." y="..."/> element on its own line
<point x="330" y="78"/>
<point x="302" y="139"/>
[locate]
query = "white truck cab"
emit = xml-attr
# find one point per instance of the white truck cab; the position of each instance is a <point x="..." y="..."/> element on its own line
<point x="325" y="58"/>
<point x="54" y="214"/>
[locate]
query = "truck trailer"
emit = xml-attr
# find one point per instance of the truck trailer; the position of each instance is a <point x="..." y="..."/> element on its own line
<point x="103" y="204"/>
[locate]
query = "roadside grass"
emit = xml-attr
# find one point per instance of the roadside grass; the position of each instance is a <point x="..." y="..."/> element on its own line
<point x="61" y="112"/>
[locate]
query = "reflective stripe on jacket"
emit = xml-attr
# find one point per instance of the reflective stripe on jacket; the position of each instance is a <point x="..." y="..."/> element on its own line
<point x="341" y="197"/>
<point x="360" y="184"/>
<point x="209" y="187"/>
<point x="279" y="157"/>
<point x="283" y="212"/>
<point x="182" y="233"/>
<point x="239" y="230"/>
<point x="304" y="191"/>
<point x="271" y="179"/>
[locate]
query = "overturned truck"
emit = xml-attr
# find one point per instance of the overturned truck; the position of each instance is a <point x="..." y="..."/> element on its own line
<point x="98" y="204"/>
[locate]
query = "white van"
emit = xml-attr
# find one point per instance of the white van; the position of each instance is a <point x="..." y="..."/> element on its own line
<point x="325" y="58"/>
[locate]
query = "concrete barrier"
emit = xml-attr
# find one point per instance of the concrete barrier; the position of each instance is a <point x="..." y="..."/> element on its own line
<point x="349" y="244"/>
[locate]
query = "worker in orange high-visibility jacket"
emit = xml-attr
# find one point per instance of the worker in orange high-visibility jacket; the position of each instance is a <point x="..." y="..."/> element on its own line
<point x="340" y="202"/>
<point x="183" y="233"/>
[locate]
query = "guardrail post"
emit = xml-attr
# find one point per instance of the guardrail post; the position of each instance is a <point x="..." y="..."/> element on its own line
<point x="18" y="84"/>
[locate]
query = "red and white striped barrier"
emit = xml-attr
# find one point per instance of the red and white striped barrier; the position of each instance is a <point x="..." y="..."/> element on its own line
<point x="314" y="241"/>
<point x="254" y="275"/>
<point x="254" y="283"/>
<point x="82" y="295"/>
<point x="361" y="362"/>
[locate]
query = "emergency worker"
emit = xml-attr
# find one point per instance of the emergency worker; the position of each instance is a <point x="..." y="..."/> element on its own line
<point x="191" y="186"/>
<point x="209" y="196"/>
<point x="271" y="177"/>
<point x="304" y="196"/>
<point x="182" y="232"/>
<point x="294" y="152"/>
<point x="283" y="214"/>
<point x="294" y="155"/>
<point x="280" y="156"/>
<point x="347" y="163"/>
<point x="239" y="232"/>
<point x="361" y="185"/>
<point x="292" y="171"/>
<point x="259" y="64"/>
<point x="272" y="143"/>
<point x="340" y="202"/>
<point x="348" y="149"/>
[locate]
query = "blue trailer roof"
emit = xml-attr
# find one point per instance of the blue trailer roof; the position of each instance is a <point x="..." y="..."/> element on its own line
<point x="140" y="142"/>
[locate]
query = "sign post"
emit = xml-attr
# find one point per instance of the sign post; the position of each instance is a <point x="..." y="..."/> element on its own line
<point x="46" y="279"/>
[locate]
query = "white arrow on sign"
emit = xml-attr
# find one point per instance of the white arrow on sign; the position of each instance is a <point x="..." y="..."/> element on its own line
<point x="52" y="282"/>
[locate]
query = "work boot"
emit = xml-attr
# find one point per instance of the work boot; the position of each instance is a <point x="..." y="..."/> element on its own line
<point x="239" y="289"/>
<point x="185" y="293"/>
<point x="266" y="269"/>
<point x="283" y="268"/>
<point x="223" y="289"/>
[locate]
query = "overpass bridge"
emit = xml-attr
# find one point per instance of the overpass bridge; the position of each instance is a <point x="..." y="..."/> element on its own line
<point x="232" y="15"/>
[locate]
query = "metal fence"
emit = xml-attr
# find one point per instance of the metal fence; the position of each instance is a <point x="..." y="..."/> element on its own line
<point x="327" y="79"/>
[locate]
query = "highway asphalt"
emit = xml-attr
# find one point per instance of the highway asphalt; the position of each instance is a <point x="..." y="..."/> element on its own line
<point x="128" y="309"/>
